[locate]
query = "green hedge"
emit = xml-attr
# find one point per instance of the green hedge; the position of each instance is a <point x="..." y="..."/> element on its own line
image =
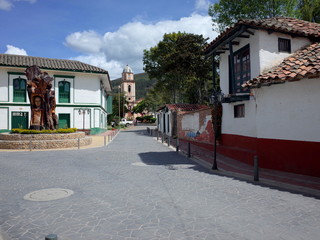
<point x="29" y="131"/>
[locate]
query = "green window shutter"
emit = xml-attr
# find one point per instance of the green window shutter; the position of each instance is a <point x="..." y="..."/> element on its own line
<point x="109" y="105"/>
<point x="64" y="120"/>
<point x="19" y="120"/>
<point x="64" y="92"/>
<point x="19" y="90"/>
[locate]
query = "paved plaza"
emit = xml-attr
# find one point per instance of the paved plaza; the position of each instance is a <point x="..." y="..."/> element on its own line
<point x="137" y="188"/>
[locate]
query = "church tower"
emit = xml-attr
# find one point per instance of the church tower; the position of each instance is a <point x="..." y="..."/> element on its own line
<point x="128" y="86"/>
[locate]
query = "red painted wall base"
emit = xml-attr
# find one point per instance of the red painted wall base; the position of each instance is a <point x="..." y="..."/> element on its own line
<point x="284" y="155"/>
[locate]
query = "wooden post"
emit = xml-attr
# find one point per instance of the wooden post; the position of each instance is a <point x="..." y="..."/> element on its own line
<point x="177" y="144"/>
<point x="256" y="168"/>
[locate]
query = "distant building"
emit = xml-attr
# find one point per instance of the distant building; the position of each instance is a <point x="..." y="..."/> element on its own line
<point x="78" y="86"/>
<point x="128" y="87"/>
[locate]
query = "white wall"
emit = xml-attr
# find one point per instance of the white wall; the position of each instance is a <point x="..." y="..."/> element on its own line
<point x="4" y="121"/>
<point x="268" y="49"/>
<point x="87" y="89"/>
<point x="190" y="122"/>
<point x="245" y="126"/>
<point x="4" y="86"/>
<point x="289" y="111"/>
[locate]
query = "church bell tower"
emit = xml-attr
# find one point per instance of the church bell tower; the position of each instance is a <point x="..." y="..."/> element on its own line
<point x="128" y="86"/>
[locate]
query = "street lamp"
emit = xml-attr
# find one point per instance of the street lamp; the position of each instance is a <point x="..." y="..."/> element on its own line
<point x="216" y="98"/>
<point x="83" y="111"/>
<point x="119" y="92"/>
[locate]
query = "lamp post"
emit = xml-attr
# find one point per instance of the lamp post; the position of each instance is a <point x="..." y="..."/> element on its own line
<point x="216" y="98"/>
<point x="119" y="92"/>
<point x="83" y="111"/>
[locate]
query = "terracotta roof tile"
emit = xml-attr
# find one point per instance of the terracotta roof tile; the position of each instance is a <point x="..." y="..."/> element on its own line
<point x="48" y="63"/>
<point x="279" y="24"/>
<point x="184" y="107"/>
<point x="302" y="64"/>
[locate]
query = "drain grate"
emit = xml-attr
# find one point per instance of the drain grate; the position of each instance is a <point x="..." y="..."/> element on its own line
<point x="49" y="194"/>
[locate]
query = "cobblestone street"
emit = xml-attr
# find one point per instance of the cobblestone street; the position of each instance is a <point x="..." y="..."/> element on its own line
<point x="137" y="188"/>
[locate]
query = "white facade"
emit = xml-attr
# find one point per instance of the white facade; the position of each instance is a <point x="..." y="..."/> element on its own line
<point x="264" y="55"/>
<point x="87" y="91"/>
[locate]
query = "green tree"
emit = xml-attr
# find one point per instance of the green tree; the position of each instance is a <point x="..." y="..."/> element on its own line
<point x="227" y="12"/>
<point x="140" y="107"/>
<point x="309" y="10"/>
<point x="115" y="107"/>
<point x="180" y="67"/>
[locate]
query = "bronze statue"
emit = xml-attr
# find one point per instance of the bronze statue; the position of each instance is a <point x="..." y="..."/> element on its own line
<point x="42" y="99"/>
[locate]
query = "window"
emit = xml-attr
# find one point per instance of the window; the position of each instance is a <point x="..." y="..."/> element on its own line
<point x="241" y="70"/>
<point x="64" y="92"/>
<point x="239" y="111"/>
<point x="19" y="90"/>
<point x="284" y="45"/>
<point x="64" y="120"/>
<point x="129" y="88"/>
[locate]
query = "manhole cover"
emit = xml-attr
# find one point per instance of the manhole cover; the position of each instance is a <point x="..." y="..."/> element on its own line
<point x="48" y="194"/>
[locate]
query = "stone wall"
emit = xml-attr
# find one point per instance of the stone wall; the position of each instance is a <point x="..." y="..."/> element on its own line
<point x="43" y="141"/>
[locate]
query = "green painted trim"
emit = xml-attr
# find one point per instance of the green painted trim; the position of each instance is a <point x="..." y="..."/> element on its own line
<point x="62" y="76"/>
<point x="14" y="104"/>
<point x="8" y="87"/>
<point x="58" y="105"/>
<point x="8" y="116"/>
<point x="17" y="73"/>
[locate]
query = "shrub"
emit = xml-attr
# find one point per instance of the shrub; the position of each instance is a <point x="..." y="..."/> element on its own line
<point x="140" y="119"/>
<point x="31" y="131"/>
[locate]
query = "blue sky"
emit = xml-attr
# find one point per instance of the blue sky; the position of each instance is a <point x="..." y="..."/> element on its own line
<point x="105" y="33"/>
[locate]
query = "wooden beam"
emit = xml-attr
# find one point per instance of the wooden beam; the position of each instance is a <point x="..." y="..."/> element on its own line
<point x="231" y="70"/>
<point x="235" y="42"/>
<point x="243" y="36"/>
<point x="219" y="52"/>
<point x="213" y="71"/>
<point x="250" y="32"/>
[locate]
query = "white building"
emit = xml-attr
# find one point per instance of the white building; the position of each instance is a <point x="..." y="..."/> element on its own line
<point x="79" y="88"/>
<point x="270" y="73"/>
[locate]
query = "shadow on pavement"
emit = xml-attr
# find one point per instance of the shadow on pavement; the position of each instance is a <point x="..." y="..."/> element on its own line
<point x="171" y="160"/>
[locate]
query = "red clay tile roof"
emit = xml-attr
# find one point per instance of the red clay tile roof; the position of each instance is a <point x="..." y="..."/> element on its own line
<point x="302" y="64"/>
<point x="279" y="24"/>
<point x="48" y="63"/>
<point x="184" y="107"/>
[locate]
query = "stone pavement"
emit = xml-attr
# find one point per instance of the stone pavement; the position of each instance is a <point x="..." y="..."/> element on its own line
<point x="303" y="184"/>
<point x="136" y="188"/>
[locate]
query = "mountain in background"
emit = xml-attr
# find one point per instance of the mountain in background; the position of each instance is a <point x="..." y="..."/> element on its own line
<point x="143" y="83"/>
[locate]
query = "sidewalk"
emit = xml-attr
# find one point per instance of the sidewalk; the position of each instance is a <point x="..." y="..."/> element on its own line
<point x="306" y="185"/>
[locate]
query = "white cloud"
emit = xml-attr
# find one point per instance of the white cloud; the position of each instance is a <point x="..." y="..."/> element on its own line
<point x="5" y="5"/>
<point x="202" y="5"/>
<point x="86" y="41"/>
<point x="16" y="51"/>
<point x="113" y="50"/>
